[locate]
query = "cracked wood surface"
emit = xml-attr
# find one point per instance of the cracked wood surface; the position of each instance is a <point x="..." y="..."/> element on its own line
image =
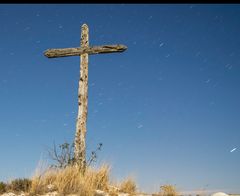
<point x="80" y="135"/>
<point x="64" y="52"/>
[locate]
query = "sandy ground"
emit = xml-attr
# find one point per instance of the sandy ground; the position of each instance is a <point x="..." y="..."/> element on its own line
<point x="98" y="193"/>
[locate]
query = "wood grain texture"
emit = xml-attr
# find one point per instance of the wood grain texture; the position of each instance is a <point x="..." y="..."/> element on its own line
<point x="80" y="135"/>
<point x="65" y="52"/>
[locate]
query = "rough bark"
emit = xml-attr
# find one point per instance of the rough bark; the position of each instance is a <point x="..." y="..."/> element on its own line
<point x="80" y="145"/>
<point x="64" y="52"/>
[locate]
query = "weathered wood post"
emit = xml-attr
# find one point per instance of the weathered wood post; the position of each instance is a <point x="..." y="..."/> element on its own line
<point x="83" y="52"/>
<point x="80" y="136"/>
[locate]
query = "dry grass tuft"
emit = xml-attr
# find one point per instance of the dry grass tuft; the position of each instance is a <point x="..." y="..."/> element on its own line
<point x="18" y="185"/>
<point x="3" y="187"/>
<point x="168" y="190"/>
<point x="41" y="182"/>
<point x="70" y="180"/>
<point x="128" y="186"/>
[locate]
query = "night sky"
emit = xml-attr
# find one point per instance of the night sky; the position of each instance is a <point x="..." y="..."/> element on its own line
<point x="167" y="110"/>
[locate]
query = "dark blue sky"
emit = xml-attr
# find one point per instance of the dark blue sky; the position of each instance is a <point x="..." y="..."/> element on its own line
<point x="166" y="110"/>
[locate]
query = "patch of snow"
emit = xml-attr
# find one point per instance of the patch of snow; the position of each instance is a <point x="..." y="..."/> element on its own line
<point x="219" y="194"/>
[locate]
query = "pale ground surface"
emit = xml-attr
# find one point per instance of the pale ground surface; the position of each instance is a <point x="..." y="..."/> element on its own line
<point x="98" y="193"/>
<point x="220" y="194"/>
<point x="101" y="193"/>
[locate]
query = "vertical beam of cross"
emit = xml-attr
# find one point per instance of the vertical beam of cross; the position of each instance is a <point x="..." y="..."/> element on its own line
<point x="80" y="135"/>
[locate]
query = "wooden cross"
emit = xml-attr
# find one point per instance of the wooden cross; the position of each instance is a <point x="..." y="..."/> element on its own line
<point x="83" y="52"/>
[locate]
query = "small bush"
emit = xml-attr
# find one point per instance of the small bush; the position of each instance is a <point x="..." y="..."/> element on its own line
<point x="63" y="156"/>
<point x="128" y="186"/>
<point x="3" y="187"/>
<point x="19" y="184"/>
<point x="168" y="190"/>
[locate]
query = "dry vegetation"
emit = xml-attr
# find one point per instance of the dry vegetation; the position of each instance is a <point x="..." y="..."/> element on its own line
<point x="167" y="190"/>
<point x="66" y="178"/>
<point x="128" y="186"/>
<point x="17" y="186"/>
<point x="70" y="180"/>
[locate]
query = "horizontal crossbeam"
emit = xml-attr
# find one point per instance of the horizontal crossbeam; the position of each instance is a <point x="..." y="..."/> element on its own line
<point x="64" y="52"/>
